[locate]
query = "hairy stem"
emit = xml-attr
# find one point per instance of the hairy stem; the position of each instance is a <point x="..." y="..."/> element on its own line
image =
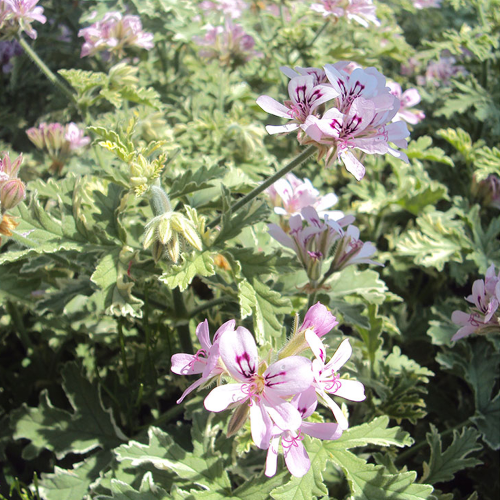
<point x="268" y="182"/>
<point x="46" y="70"/>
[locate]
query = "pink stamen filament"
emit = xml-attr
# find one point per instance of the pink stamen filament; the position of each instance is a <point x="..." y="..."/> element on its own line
<point x="333" y="385"/>
<point x="287" y="443"/>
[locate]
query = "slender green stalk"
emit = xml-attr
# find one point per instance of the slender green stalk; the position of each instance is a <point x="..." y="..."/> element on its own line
<point x="183" y="325"/>
<point x="268" y="182"/>
<point x="46" y="70"/>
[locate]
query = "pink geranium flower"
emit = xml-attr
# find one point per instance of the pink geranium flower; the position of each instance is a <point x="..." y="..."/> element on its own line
<point x="359" y="119"/>
<point x="361" y="11"/>
<point x="230" y="44"/>
<point x="326" y="378"/>
<point x="263" y="389"/>
<point x="408" y="99"/>
<point x="310" y="237"/>
<point x="296" y="457"/>
<point x="113" y="34"/>
<point x="424" y="4"/>
<point x="206" y="359"/>
<point x="17" y="15"/>
<point x="305" y="97"/>
<point x="484" y="317"/>
<point x="290" y="195"/>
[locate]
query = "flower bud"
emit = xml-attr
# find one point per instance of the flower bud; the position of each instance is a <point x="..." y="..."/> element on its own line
<point x="9" y="168"/>
<point x="173" y="248"/>
<point x="12" y="193"/>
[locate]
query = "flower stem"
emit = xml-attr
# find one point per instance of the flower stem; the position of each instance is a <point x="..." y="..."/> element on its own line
<point x="183" y="325"/>
<point x="46" y="70"/>
<point x="313" y="41"/>
<point x="208" y="305"/>
<point x="268" y="182"/>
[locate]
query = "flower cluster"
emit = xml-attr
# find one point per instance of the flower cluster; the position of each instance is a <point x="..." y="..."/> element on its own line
<point x="361" y="11"/>
<point x="12" y="191"/>
<point x="58" y="140"/>
<point x="8" y="50"/>
<point x="169" y="230"/>
<point x="289" y="195"/>
<point x="483" y="316"/>
<point x="313" y="240"/>
<point x="230" y="8"/>
<point x="17" y="15"/>
<point x="439" y="72"/>
<point x="115" y="33"/>
<point x="277" y="397"/>
<point x="360" y="118"/>
<point x="229" y="44"/>
<point x="408" y="99"/>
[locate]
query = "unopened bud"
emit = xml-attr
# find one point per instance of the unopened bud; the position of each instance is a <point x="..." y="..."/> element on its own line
<point x="165" y="231"/>
<point x="8" y="167"/>
<point x="12" y="193"/>
<point x="157" y="251"/>
<point x="173" y="248"/>
<point x="238" y="419"/>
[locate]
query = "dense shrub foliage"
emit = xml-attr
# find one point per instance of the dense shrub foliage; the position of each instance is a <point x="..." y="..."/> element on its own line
<point x="250" y="249"/>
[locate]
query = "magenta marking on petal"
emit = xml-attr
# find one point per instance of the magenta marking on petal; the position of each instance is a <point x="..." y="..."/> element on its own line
<point x="473" y="319"/>
<point x="242" y="360"/>
<point x="269" y="377"/>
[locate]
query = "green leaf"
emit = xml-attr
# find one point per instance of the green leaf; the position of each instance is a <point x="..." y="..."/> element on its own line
<point x="72" y="484"/>
<point x="421" y="149"/>
<point x="181" y="275"/>
<point x="351" y="313"/>
<point x="88" y="427"/>
<point x="487" y="163"/>
<point x="375" y="432"/>
<point x="460" y="140"/>
<point x="232" y="225"/>
<point x="266" y="305"/>
<point x="480" y="370"/>
<point x="486" y="249"/>
<point x="372" y="335"/>
<point x="115" y="296"/>
<point x="147" y="491"/>
<point x="84" y="81"/>
<point x="364" y="284"/>
<point x="195" y="180"/>
<point x="442" y="466"/>
<point x="203" y="466"/>
<point x="439" y="239"/>
<point x="373" y="482"/>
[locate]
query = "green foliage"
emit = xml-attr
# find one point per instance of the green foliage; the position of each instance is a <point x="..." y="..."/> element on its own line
<point x="89" y="425"/>
<point x="443" y="465"/>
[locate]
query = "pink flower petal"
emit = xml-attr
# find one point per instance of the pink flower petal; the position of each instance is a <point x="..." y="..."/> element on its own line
<point x="223" y="396"/>
<point x="239" y="353"/>
<point x="260" y="425"/>
<point x="328" y="430"/>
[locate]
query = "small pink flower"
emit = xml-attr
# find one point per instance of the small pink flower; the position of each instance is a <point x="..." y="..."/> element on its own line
<point x="75" y="137"/>
<point x="17" y="15"/>
<point x="361" y="11"/>
<point x="264" y="390"/>
<point x="232" y="8"/>
<point x="484" y="317"/>
<point x="229" y="44"/>
<point x="113" y="34"/>
<point x="439" y="72"/>
<point x="205" y="361"/>
<point x="327" y="380"/>
<point x="408" y="99"/>
<point x="305" y="97"/>
<point x="290" y="195"/>
<point x="296" y="457"/>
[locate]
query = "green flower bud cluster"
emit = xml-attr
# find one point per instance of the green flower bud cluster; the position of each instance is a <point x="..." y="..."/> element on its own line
<point x="170" y="230"/>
